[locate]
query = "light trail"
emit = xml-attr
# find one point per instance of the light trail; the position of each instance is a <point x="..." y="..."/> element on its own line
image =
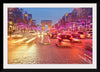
<point x="12" y="35"/>
<point x="20" y="40"/>
<point x="30" y="40"/>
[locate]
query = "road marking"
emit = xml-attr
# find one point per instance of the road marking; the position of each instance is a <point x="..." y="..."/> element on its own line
<point x="88" y="56"/>
<point x="20" y="40"/>
<point x="86" y="60"/>
<point x="30" y="40"/>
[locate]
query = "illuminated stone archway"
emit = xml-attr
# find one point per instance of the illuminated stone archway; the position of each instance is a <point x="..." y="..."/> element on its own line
<point x="46" y="22"/>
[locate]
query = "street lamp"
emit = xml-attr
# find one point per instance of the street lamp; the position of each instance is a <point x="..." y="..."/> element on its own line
<point x="31" y="23"/>
<point x="25" y="15"/>
<point x="10" y="22"/>
<point x="10" y="27"/>
<point x="66" y="14"/>
<point x="10" y="30"/>
<point x="10" y="9"/>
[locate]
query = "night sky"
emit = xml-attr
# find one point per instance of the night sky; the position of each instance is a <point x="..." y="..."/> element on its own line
<point x="53" y="14"/>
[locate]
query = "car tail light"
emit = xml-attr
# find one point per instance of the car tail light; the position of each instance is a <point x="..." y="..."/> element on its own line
<point x="59" y="43"/>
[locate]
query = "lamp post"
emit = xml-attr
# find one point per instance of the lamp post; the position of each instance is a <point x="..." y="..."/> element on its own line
<point x="10" y="27"/>
<point x="66" y="20"/>
<point x="31" y="23"/>
<point x="25" y="15"/>
<point x="25" y="18"/>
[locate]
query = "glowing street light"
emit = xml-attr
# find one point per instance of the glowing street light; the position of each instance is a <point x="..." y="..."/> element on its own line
<point x="10" y="22"/>
<point x="25" y="15"/>
<point x="31" y="20"/>
<point x="66" y="14"/>
<point x="10" y="9"/>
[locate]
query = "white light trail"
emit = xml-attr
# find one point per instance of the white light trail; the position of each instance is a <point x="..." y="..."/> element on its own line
<point x="20" y="40"/>
<point x="30" y="40"/>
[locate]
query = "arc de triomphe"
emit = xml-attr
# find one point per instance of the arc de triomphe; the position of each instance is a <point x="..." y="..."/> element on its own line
<point x="46" y="22"/>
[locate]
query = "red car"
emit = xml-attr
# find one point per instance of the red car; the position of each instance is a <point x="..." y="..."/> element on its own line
<point x="65" y="40"/>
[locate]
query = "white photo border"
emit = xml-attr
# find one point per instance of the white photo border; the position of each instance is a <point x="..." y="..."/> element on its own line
<point x="49" y="66"/>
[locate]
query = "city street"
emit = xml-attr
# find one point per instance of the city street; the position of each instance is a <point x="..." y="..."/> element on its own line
<point x="29" y="50"/>
<point x="50" y="35"/>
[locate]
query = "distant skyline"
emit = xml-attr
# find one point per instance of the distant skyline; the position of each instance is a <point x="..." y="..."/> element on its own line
<point x="53" y="14"/>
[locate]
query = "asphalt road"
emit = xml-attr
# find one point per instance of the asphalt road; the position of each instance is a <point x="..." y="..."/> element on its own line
<point x="29" y="50"/>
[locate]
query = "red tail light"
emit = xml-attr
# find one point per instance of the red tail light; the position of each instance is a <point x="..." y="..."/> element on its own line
<point x="59" y="43"/>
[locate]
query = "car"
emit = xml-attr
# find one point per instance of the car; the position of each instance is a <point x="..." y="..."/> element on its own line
<point x="75" y="35"/>
<point x="64" y="41"/>
<point x="81" y="35"/>
<point x="53" y="35"/>
<point x="89" y="34"/>
<point x="68" y="38"/>
<point x="75" y="40"/>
